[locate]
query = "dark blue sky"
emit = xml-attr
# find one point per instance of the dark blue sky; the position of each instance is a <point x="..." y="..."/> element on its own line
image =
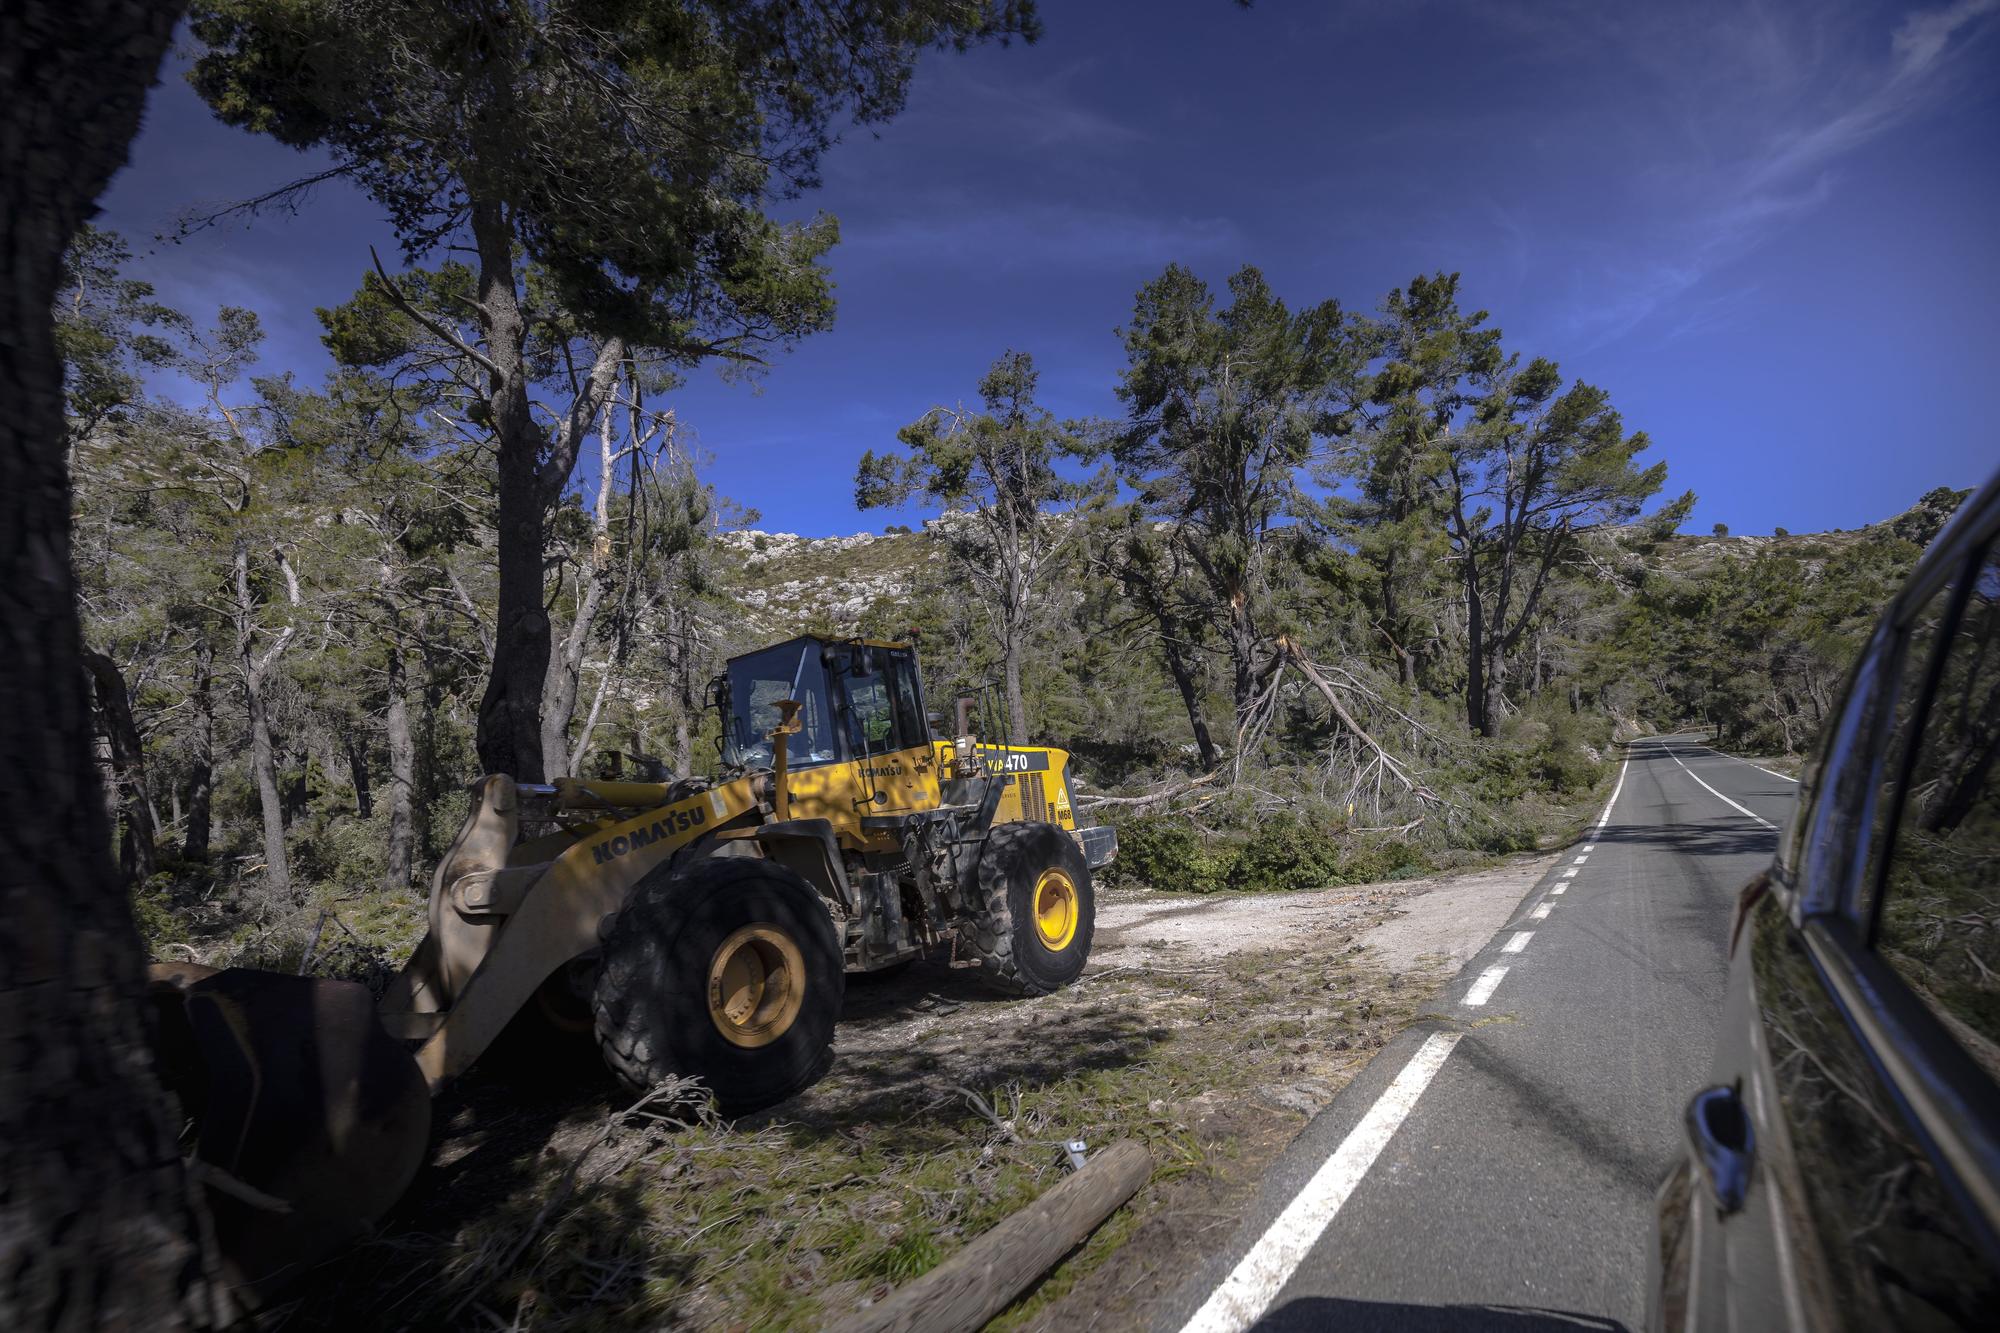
<point x="1768" y="230"/>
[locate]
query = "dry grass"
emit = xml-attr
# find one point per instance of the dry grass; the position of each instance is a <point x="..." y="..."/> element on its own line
<point x="548" y="1206"/>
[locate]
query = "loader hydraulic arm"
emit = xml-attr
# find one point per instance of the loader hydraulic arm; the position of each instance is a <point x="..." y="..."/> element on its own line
<point x="559" y="919"/>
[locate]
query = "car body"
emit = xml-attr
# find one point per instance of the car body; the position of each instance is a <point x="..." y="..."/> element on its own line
<point x="1843" y="1168"/>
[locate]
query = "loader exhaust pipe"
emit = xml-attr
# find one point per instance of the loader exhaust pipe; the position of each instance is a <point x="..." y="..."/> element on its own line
<point x="781" y="786"/>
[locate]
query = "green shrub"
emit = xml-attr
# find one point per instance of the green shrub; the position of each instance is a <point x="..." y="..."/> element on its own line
<point x="153" y="912"/>
<point x="1166" y="852"/>
<point x="1498" y="834"/>
<point x="1387" y="860"/>
<point x="1286" y="853"/>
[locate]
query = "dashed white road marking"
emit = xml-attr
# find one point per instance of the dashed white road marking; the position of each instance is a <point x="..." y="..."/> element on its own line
<point x="1256" y="1280"/>
<point x="1580" y="860"/>
<point x="1251" y="1285"/>
<point x="1745" y="810"/>
<point x="1489" y="980"/>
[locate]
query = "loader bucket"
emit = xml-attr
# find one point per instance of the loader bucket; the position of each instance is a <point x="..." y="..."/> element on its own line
<point x="309" y="1119"/>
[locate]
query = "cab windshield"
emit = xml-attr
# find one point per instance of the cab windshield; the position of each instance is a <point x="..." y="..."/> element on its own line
<point x="757" y="681"/>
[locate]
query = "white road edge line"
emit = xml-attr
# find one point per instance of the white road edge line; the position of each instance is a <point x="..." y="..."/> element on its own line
<point x="1741" y="760"/>
<point x="1569" y="873"/>
<point x="1541" y="913"/>
<point x="1601" y="819"/>
<point x="1580" y="860"/>
<point x="1719" y="796"/>
<point x="1489" y="981"/>
<point x="1518" y="941"/>
<point x="1250" y="1287"/>
<point x="1590" y="846"/>
<point x="1558" y="888"/>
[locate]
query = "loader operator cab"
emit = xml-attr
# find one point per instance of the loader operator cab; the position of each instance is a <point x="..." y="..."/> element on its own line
<point x="856" y="699"/>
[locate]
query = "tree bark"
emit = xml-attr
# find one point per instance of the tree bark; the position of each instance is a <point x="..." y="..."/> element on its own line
<point x="1183" y="674"/>
<point x="263" y="753"/>
<point x="138" y="842"/>
<point x="98" y="1228"/>
<point x="965" y="1292"/>
<point x="1242" y="653"/>
<point x="201" y="754"/>
<point x="565" y="675"/>
<point x="357" y="768"/>
<point x="1017" y="708"/>
<point x="402" y="778"/>
<point x="1477" y="715"/>
<point x="509" y="737"/>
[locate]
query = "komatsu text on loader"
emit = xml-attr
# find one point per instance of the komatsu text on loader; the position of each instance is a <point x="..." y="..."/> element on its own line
<point x="696" y="926"/>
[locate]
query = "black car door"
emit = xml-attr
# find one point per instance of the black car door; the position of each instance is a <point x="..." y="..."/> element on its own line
<point x="1874" y="985"/>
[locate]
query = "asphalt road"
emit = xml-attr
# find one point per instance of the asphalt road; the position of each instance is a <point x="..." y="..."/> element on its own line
<point x="1493" y="1169"/>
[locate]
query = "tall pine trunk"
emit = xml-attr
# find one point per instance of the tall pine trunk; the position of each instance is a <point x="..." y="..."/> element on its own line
<point x="100" y="1227"/>
<point x="137" y="842"/>
<point x="1478" y="715"/>
<point x="1017" y="708"/>
<point x="263" y="752"/>
<point x="402" y="778"/>
<point x="357" y="768"/>
<point x="1183" y="674"/>
<point x="201" y="753"/>
<point x="510" y="713"/>
<point x="1242" y="654"/>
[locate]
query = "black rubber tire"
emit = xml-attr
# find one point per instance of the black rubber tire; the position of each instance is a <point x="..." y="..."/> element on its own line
<point x="651" y="1001"/>
<point x="1012" y="956"/>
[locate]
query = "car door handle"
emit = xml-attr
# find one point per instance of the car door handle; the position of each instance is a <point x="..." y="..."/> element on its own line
<point x="1724" y="1144"/>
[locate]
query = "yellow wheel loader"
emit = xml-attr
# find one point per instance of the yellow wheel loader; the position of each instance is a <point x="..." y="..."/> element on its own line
<point x="695" y="926"/>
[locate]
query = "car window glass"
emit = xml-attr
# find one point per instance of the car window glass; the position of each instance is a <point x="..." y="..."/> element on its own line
<point x="1896" y="1252"/>
<point x="1911" y="678"/>
<point x="1939" y="924"/>
<point x="1840" y="785"/>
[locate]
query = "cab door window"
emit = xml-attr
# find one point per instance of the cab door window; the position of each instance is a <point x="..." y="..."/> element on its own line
<point x="871" y="720"/>
<point x="871" y="723"/>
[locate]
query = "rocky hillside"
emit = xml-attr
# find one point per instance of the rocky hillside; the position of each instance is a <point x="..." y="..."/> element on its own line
<point x="785" y="583"/>
<point x="1688" y="553"/>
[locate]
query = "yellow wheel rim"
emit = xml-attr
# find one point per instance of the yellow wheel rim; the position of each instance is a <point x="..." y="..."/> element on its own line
<point x="756" y="985"/>
<point x="1055" y="910"/>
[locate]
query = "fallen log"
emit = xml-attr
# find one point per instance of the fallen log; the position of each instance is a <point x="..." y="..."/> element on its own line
<point x="1151" y="797"/>
<point x="965" y="1291"/>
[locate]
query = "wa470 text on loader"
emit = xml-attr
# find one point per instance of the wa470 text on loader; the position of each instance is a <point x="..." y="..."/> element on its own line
<point x="695" y="926"/>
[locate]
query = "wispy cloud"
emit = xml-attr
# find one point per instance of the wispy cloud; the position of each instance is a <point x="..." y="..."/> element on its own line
<point x="1922" y="50"/>
<point x="1045" y="236"/>
<point x="1773" y="104"/>
<point x="1029" y="112"/>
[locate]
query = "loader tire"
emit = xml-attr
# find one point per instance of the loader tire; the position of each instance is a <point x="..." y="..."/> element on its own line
<point x="1035" y="910"/>
<point x="727" y="970"/>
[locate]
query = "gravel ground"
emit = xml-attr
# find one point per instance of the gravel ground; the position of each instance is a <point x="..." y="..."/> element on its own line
<point x="1442" y="919"/>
